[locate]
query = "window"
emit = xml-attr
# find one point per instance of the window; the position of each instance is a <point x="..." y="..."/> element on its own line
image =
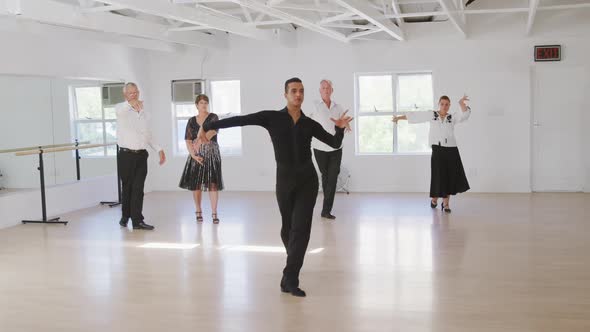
<point x="94" y="117"/>
<point x="379" y="96"/>
<point x="224" y="100"/>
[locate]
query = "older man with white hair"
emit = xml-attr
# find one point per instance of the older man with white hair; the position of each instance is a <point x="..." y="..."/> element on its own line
<point x="327" y="157"/>
<point x="134" y="137"/>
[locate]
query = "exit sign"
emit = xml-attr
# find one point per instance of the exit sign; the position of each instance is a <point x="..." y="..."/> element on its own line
<point x="548" y="53"/>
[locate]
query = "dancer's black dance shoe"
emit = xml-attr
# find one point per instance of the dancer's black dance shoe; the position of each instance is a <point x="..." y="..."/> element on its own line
<point x="143" y="225"/>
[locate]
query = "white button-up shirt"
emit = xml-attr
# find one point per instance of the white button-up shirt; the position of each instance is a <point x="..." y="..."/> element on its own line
<point x="442" y="131"/>
<point x="133" y="131"/>
<point x="322" y="115"/>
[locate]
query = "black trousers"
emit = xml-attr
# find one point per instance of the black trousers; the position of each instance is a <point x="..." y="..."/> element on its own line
<point x="329" y="165"/>
<point x="296" y="190"/>
<point x="133" y="170"/>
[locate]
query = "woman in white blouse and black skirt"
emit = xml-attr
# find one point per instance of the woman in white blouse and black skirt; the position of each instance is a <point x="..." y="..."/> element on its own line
<point x="447" y="173"/>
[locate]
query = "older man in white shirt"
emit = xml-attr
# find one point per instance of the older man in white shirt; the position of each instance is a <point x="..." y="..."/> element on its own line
<point x="134" y="137"/>
<point x="327" y="158"/>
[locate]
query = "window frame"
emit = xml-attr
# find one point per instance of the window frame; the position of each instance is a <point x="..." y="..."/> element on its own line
<point x="206" y="90"/>
<point x="395" y="96"/>
<point x="103" y="121"/>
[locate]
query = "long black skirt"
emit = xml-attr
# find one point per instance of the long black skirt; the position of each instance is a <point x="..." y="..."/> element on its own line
<point x="447" y="176"/>
<point x="206" y="177"/>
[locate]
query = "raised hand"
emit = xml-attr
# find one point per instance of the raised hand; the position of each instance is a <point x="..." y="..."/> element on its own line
<point x="137" y="105"/>
<point x="463" y="100"/>
<point x="343" y="121"/>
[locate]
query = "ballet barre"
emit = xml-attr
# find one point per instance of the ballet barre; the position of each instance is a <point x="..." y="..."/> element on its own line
<point x="40" y="151"/>
<point x="43" y="147"/>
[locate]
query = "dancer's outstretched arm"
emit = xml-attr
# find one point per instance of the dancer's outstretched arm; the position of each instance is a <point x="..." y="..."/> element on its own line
<point x="211" y="133"/>
<point x="254" y="119"/>
<point x="414" y="117"/>
<point x="395" y="119"/>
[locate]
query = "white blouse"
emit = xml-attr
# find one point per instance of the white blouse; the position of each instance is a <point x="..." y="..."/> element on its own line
<point x="442" y="131"/>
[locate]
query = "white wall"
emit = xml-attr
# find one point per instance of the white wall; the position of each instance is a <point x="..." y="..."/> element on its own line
<point x="493" y="68"/>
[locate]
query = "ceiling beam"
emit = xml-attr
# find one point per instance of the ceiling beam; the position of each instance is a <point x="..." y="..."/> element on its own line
<point x="335" y="18"/>
<point x="352" y="26"/>
<point x="533" y="5"/>
<point x="100" y="9"/>
<point x="317" y="8"/>
<point x="275" y="22"/>
<point x="191" y="15"/>
<point x="361" y="8"/>
<point x="398" y="11"/>
<point x="53" y="32"/>
<point x="276" y="13"/>
<point x="58" y="13"/>
<point x="461" y="7"/>
<point x="189" y="28"/>
<point x="247" y="14"/>
<point x="218" y="12"/>
<point x="491" y="11"/>
<point x="452" y="12"/>
<point x="356" y="35"/>
<point x="563" y="7"/>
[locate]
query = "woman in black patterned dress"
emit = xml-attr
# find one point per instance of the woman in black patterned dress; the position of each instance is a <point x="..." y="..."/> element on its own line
<point x="202" y="171"/>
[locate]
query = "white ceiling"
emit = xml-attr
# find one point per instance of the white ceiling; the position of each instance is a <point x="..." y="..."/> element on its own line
<point x="205" y="23"/>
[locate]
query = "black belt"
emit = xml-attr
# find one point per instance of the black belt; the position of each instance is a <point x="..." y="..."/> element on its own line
<point x="132" y="151"/>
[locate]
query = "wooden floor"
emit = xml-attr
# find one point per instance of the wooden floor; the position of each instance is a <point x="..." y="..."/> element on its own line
<point x="510" y="262"/>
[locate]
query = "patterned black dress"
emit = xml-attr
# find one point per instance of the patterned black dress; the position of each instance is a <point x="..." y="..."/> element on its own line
<point x="206" y="177"/>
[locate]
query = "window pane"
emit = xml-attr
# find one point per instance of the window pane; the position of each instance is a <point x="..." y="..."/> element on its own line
<point x="225" y="100"/>
<point x="415" y="93"/>
<point x="111" y="131"/>
<point x="181" y="129"/>
<point x="89" y="103"/>
<point x="230" y="141"/>
<point x="185" y="110"/>
<point x="375" y="134"/>
<point x="412" y="137"/>
<point x="225" y="97"/>
<point x="110" y="113"/>
<point x="90" y="132"/>
<point x="375" y="93"/>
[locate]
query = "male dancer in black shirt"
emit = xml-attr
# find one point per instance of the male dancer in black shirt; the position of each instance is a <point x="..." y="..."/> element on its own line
<point x="297" y="181"/>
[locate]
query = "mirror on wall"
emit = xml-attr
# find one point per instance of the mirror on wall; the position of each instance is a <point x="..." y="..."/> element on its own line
<point x="45" y="111"/>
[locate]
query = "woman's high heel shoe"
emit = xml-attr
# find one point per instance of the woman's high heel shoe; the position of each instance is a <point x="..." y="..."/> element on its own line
<point x="199" y="216"/>
<point x="215" y="219"/>
<point x="446" y="209"/>
<point x="433" y="205"/>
